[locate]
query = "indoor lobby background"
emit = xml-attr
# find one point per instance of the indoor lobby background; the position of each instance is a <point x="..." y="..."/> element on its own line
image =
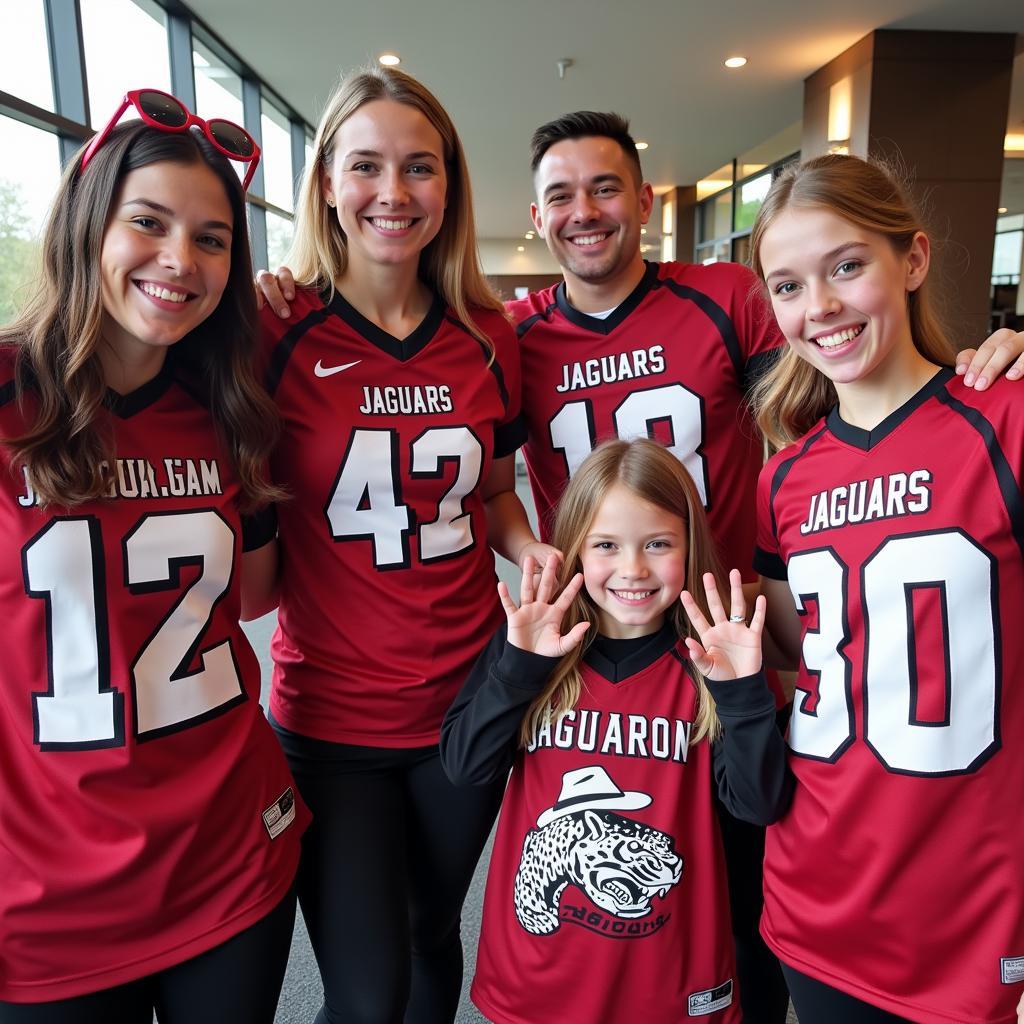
<point x="934" y="85"/>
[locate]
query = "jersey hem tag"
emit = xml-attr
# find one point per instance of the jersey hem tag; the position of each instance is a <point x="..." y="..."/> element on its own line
<point x="280" y="814"/>
<point x="711" y="1000"/>
<point x="1011" y="969"/>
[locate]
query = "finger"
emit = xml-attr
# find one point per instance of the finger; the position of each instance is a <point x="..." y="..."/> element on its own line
<point x="693" y="613"/>
<point x="715" y="605"/>
<point x="757" y="619"/>
<point x="574" y="637"/>
<point x="1016" y="371"/>
<point x="991" y="358"/>
<point x="572" y="588"/>
<point x="737" y="603"/>
<point x="526" y="584"/>
<point x="963" y="359"/>
<point x="548" y="582"/>
<point x="701" y="662"/>
<point x="267" y="283"/>
<point x="506" y="599"/>
<point x="286" y="281"/>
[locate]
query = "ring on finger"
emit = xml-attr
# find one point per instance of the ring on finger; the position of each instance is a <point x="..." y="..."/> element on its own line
<point x="737" y="618"/>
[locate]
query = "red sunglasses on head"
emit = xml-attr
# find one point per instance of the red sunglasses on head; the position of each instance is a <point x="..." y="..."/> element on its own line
<point x="161" y="110"/>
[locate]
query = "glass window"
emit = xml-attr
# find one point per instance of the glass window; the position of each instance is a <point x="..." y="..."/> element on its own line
<point x="125" y="48"/>
<point x="716" y="216"/>
<point x="1006" y="257"/>
<point x="218" y="88"/>
<point x="279" y="239"/>
<point x="27" y="185"/>
<point x="751" y="197"/>
<point x="277" y="156"/>
<point x="25" y="55"/>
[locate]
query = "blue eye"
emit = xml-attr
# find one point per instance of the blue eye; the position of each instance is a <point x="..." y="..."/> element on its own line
<point x="786" y="288"/>
<point x="848" y="266"/>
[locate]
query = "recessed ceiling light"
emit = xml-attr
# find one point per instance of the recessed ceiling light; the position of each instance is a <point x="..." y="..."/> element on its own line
<point x="643" y="231"/>
<point x="389" y="60"/>
<point x="528" y="236"/>
<point x="520" y="248"/>
<point x="1002" y="209"/>
<point x="735" y="62"/>
<point x="641" y="145"/>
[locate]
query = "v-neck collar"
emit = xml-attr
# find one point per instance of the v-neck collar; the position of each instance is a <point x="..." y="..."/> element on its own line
<point x="402" y="349"/>
<point x="858" y="437"/>
<point x="608" y="324"/>
<point x="658" y="644"/>
<point x="126" y="406"/>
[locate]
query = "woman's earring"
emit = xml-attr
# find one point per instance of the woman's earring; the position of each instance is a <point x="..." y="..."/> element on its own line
<point x="330" y="202"/>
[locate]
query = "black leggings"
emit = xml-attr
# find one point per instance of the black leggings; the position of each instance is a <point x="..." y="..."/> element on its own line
<point x="763" y="994"/>
<point x="237" y="981"/>
<point x="385" y="868"/>
<point x="818" y="1003"/>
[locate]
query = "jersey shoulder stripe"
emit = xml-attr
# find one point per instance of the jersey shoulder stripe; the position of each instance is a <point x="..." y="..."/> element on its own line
<point x="7" y="392"/>
<point x="1008" y="486"/>
<point x="282" y="351"/>
<point x="490" y="358"/>
<point x="545" y="314"/>
<point x="718" y="316"/>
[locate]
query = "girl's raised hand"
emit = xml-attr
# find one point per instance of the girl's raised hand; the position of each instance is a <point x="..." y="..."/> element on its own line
<point x="728" y="648"/>
<point x="536" y="624"/>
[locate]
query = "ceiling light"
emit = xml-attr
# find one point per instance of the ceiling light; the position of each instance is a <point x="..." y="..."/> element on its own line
<point x="520" y="248"/>
<point x="735" y="62"/>
<point x="1002" y="209"/>
<point x="641" y="145"/>
<point x="643" y="231"/>
<point x="1014" y="143"/>
<point x="528" y="236"/>
<point x="389" y="60"/>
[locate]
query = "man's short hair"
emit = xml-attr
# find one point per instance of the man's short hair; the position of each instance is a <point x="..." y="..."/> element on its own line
<point x="584" y="124"/>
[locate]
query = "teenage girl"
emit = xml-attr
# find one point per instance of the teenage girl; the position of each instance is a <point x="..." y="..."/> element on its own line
<point x="397" y="376"/>
<point x="891" y="536"/>
<point x="149" y="829"/>
<point x="617" y="707"/>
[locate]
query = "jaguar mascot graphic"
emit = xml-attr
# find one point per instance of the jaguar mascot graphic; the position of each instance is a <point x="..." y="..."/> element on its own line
<point x="620" y="864"/>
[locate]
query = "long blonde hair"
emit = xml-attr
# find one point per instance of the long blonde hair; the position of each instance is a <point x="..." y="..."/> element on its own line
<point x="793" y="396"/>
<point x="56" y="336"/>
<point x="450" y="263"/>
<point x="653" y="474"/>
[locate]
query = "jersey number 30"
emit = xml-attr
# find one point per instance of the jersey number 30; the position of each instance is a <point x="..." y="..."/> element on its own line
<point x="64" y="566"/>
<point x="955" y="578"/>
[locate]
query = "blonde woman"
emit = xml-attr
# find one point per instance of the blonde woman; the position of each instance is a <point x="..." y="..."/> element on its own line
<point x="397" y="377"/>
<point x="606" y="898"/>
<point x="891" y="539"/>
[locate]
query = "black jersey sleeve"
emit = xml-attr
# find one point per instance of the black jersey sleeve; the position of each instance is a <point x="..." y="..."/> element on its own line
<point x="749" y="759"/>
<point x="259" y="528"/>
<point x="480" y="732"/>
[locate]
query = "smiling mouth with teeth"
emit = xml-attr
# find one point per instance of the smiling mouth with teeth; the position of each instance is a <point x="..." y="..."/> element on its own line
<point x="632" y="595"/>
<point x="391" y="224"/>
<point x="838" y="338"/>
<point x="159" y="292"/>
<point x="585" y="240"/>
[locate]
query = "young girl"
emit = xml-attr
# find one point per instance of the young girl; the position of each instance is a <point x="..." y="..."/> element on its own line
<point x="149" y="829"/>
<point x="891" y="533"/>
<point x="606" y="899"/>
<point x="398" y="380"/>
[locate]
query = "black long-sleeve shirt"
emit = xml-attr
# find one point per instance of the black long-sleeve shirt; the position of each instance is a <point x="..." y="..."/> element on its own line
<point x="480" y="733"/>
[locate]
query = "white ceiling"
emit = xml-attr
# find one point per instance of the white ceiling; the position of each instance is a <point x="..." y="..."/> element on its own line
<point x="659" y="62"/>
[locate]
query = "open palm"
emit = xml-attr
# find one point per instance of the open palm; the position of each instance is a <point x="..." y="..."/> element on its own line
<point x="536" y="623"/>
<point x="728" y="648"/>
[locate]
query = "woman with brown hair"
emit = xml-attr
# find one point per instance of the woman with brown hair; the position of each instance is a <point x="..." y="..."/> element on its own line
<point x="614" y="704"/>
<point x="150" y="828"/>
<point x="397" y="377"/>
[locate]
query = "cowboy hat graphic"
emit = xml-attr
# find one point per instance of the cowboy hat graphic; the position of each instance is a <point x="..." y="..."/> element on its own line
<point x="591" y="788"/>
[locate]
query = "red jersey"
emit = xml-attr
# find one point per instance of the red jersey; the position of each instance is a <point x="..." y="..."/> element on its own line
<point x="606" y="899"/>
<point x="388" y="584"/>
<point x="896" y="876"/>
<point x="672" y="362"/>
<point x="146" y="810"/>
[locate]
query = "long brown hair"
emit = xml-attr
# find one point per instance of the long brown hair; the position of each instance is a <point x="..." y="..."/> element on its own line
<point x="57" y="334"/>
<point x="654" y="475"/>
<point x="450" y="263"/>
<point x="790" y="399"/>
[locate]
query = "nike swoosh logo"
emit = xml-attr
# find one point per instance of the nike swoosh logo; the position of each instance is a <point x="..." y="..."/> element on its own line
<point x="325" y="371"/>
